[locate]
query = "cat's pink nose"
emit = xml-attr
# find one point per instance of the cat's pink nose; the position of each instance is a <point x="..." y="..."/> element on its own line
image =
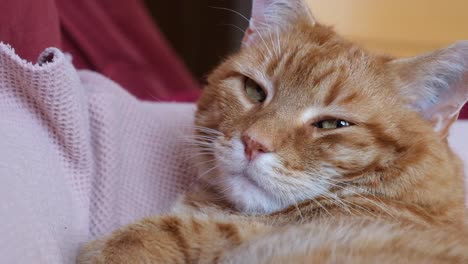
<point x="252" y="147"/>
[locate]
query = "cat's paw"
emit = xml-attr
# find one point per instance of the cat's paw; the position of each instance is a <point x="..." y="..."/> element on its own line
<point x="92" y="253"/>
<point x="122" y="247"/>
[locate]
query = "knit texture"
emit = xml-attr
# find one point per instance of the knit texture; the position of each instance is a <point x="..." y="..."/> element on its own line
<point x="80" y="157"/>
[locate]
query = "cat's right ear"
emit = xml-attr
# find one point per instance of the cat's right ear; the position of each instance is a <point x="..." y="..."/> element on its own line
<point x="436" y="84"/>
<point x="273" y="15"/>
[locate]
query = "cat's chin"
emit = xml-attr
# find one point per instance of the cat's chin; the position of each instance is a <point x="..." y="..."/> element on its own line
<point x="248" y="197"/>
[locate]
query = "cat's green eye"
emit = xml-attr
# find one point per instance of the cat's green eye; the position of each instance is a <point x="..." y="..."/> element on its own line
<point x="332" y="124"/>
<point x="254" y="91"/>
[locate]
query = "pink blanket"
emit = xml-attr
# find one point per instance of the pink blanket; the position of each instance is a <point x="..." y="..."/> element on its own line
<point x="80" y="157"/>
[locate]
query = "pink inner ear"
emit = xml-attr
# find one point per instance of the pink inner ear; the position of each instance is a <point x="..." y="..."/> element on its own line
<point x="247" y="35"/>
<point x="446" y="111"/>
<point x="257" y="18"/>
<point x="437" y="84"/>
<point x="258" y="9"/>
<point x="276" y="14"/>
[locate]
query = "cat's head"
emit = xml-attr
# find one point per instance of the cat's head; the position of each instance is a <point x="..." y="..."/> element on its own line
<point x="300" y="112"/>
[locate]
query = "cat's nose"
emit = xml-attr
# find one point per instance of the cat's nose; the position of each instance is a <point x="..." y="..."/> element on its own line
<point x="253" y="147"/>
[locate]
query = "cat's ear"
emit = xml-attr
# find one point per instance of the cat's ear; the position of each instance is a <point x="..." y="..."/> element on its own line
<point x="436" y="84"/>
<point x="272" y="15"/>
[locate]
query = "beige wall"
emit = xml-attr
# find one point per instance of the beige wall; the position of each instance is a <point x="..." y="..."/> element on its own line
<point x="398" y="27"/>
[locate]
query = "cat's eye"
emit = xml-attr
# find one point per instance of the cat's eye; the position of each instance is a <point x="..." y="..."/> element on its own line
<point x="254" y="91"/>
<point x="332" y="124"/>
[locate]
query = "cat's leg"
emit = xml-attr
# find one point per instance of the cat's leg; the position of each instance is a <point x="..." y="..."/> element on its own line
<point x="353" y="241"/>
<point x="170" y="239"/>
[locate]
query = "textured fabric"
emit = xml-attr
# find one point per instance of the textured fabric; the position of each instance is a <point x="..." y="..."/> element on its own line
<point x="116" y="38"/>
<point x="80" y="157"/>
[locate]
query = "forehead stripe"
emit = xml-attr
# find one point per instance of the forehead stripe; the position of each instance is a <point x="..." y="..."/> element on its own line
<point x="335" y="89"/>
<point x="322" y="77"/>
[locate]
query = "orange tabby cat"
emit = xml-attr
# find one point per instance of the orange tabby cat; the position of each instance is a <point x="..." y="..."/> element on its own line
<point x="315" y="151"/>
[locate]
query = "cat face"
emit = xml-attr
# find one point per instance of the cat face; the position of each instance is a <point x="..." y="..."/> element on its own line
<point x="299" y="112"/>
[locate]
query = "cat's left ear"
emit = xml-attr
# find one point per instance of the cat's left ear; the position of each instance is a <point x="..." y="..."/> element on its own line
<point x="436" y="84"/>
<point x="273" y="15"/>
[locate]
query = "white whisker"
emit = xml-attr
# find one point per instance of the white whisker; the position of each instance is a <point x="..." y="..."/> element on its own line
<point x="233" y="11"/>
<point x="361" y="196"/>
<point x="234" y="26"/>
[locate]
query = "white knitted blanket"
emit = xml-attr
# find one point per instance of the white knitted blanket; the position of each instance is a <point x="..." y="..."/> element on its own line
<point x="80" y="157"/>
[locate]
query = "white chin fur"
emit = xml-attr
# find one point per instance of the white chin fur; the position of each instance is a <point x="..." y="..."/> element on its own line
<point x="249" y="198"/>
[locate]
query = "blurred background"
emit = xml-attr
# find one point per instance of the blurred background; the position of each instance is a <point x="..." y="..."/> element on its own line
<point x="202" y="31"/>
<point x="203" y="34"/>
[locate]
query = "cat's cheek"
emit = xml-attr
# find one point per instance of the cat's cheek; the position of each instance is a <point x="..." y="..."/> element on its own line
<point x="348" y="160"/>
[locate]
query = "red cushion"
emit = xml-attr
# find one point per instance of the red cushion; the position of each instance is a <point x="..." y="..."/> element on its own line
<point x="464" y="112"/>
<point x="114" y="37"/>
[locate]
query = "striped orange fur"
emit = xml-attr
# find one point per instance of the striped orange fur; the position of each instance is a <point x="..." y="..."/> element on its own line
<point x="276" y="187"/>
